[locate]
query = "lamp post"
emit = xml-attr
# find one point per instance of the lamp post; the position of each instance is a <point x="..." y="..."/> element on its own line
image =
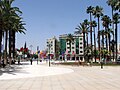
<point x="31" y="48"/>
<point x="49" y="45"/>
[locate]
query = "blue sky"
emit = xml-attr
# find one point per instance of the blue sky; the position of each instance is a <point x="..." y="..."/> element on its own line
<point x="47" y="18"/>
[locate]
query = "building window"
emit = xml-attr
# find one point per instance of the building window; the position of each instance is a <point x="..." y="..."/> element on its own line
<point x="72" y="47"/>
<point x="80" y="47"/>
<point x="68" y="47"/>
<point x="80" y="42"/>
<point x="80" y="38"/>
<point x="81" y="58"/>
<point x="81" y="51"/>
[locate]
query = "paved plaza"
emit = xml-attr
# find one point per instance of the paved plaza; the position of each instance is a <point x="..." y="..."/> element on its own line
<point x="59" y="77"/>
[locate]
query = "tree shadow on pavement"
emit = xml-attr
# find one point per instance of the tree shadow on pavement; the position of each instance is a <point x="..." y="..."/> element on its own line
<point x="13" y="69"/>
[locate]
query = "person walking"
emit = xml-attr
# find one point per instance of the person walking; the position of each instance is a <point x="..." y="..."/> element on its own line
<point x="31" y="60"/>
<point x="18" y="60"/>
<point x="101" y="63"/>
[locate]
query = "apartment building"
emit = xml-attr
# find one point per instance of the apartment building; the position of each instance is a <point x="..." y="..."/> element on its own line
<point x="53" y="48"/>
<point x="71" y="50"/>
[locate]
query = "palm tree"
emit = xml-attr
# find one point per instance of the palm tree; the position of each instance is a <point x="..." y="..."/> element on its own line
<point x="17" y="26"/>
<point x="82" y="29"/>
<point x="86" y="23"/>
<point x="113" y="4"/>
<point x="90" y="11"/>
<point x="1" y="25"/>
<point x="106" y="22"/>
<point x="9" y="16"/>
<point x="9" y="13"/>
<point x="94" y="25"/>
<point x="116" y="18"/>
<point x="102" y="33"/>
<point x="98" y="12"/>
<point x="110" y="31"/>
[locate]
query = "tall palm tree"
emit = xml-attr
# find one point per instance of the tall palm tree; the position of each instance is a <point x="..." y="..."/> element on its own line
<point x="86" y="23"/>
<point x="2" y="24"/>
<point x="82" y="29"/>
<point x="9" y="13"/>
<point x="9" y="16"/>
<point x="98" y="12"/>
<point x="116" y="20"/>
<point x="90" y="11"/>
<point x="110" y="32"/>
<point x="94" y="25"/>
<point x="17" y="26"/>
<point x="113" y="4"/>
<point x="106" y="21"/>
<point x="102" y="33"/>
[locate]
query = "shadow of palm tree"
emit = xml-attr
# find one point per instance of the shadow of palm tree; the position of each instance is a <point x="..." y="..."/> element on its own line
<point x="13" y="69"/>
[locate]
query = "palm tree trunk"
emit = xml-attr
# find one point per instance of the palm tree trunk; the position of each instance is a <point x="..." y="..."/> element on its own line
<point x="102" y="43"/>
<point x="95" y="45"/>
<point x="103" y="40"/>
<point x="113" y="33"/>
<point x="99" y="37"/>
<point x="10" y="46"/>
<point x="14" y="44"/>
<point x="106" y="43"/>
<point x="116" y="39"/>
<point x="0" y="45"/>
<point x="5" y="54"/>
<point x="87" y="38"/>
<point x="91" y="33"/>
<point x="109" y="38"/>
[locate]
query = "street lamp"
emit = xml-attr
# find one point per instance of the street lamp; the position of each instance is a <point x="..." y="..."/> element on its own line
<point x="49" y="45"/>
<point x="31" y="48"/>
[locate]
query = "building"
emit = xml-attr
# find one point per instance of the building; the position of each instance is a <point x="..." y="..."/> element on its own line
<point x="53" y="48"/>
<point x="71" y="50"/>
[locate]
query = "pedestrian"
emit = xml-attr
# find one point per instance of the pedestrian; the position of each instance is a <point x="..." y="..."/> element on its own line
<point x="101" y="63"/>
<point x="37" y="60"/>
<point x="18" y="60"/>
<point x="31" y="61"/>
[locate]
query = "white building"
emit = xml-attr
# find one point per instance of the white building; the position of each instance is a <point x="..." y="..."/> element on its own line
<point x="52" y="47"/>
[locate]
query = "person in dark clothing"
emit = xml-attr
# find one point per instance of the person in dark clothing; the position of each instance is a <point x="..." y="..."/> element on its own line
<point x="18" y="60"/>
<point x="101" y="65"/>
<point x="31" y="61"/>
